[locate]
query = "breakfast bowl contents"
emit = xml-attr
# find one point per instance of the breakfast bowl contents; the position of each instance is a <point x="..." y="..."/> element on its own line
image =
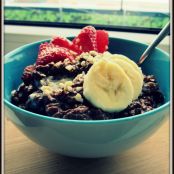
<point x="81" y="80"/>
<point x="86" y="96"/>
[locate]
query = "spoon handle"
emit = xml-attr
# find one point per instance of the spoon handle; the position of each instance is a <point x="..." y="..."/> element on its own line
<point x="164" y="32"/>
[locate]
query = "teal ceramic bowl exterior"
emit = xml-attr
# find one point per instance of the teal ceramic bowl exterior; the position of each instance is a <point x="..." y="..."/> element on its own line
<point x="88" y="139"/>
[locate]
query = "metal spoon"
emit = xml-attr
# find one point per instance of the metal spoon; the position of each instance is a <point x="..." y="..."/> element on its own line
<point x="163" y="33"/>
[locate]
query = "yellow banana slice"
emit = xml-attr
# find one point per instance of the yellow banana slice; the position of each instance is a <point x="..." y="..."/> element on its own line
<point x="107" y="86"/>
<point x="133" y="73"/>
<point x="136" y="67"/>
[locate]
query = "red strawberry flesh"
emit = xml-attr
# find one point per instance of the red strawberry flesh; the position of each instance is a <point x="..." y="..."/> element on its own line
<point x="102" y="41"/>
<point x="52" y="53"/>
<point x="86" y="40"/>
<point x="64" y="42"/>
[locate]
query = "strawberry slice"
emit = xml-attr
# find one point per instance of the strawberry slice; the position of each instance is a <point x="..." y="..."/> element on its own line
<point x="49" y="52"/>
<point x="64" y="42"/>
<point x="86" y="40"/>
<point x="102" y="41"/>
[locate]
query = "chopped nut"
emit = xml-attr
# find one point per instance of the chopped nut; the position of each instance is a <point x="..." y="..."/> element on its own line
<point x="83" y="63"/>
<point x="46" y="89"/>
<point x="79" y="75"/>
<point x="32" y="96"/>
<point x="58" y="64"/>
<point x="66" y="60"/>
<point x="98" y="57"/>
<point x="61" y="85"/>
<point x="78" y="89"/>
<point x="91" y="60"/>
<point x="43" y="82"/>
<point x="69" y="67"/>
<point x="69" y="88"/>
<point x="83" y="55"/>
<point x="78" y="98"/>
<point x="68" y="83"/>
<point x="78" y="58"/>
<point x="86" y="56"/>
<point x="93" y="53"/>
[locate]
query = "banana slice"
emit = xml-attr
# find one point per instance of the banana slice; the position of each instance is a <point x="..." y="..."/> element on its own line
<point x="122" y="57"/>
<point x="107" y="86"/>
<point x="133" y="73"/>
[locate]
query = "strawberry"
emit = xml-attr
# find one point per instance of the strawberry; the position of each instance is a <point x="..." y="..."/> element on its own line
<point x="102" y="41"/>
<point x="86" y="40"/>
<point x="60" y="48"/>
<point x="64" y="42"/>
<point x="52" y="53"/>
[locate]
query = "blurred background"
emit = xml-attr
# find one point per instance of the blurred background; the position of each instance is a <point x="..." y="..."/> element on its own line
<point x="129" y="13"/>
<point x="32" y="20"/>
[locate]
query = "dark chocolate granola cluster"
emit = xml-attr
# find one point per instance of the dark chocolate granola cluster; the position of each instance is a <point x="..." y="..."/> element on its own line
<point x="56" y="90"/>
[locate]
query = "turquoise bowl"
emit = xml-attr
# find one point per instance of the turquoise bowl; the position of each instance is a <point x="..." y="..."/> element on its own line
<point x="88" y="139"/>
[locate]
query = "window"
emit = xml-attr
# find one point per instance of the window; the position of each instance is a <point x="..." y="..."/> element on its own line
<point x="137" y="15"/>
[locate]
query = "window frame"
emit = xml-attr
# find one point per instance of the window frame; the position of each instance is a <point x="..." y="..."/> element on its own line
<point x="79" y="26"/>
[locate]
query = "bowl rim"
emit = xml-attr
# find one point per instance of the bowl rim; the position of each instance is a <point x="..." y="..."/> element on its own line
<point x="61" y="120"/>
